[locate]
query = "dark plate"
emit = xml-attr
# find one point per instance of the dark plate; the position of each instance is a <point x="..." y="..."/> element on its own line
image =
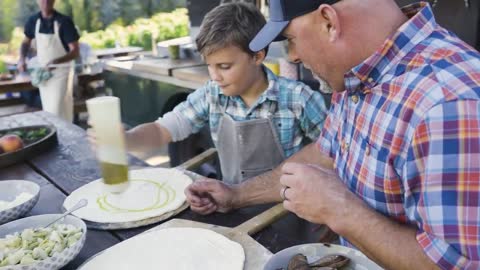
<point x="32" y="147"/>
<point x="313" y="252"/>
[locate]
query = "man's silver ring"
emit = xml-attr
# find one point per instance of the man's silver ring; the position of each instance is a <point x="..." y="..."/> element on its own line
<point x="283" y="192"/>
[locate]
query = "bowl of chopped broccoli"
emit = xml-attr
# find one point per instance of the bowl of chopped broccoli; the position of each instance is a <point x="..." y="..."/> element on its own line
<point x="26" y="244"/>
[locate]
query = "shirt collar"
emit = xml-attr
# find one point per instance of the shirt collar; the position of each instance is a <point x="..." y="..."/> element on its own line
<point x="420" y="25"/>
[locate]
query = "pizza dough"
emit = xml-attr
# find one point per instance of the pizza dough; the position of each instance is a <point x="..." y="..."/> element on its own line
<point x="152" y="192"/>
<point x="172" y="248"/>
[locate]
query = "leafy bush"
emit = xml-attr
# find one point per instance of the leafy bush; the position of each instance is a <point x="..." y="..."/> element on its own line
<point x="3" y="67"/>
<point x="13" y="47"/>
<point x="3" y="48"/>
<point x="161" y="26"/>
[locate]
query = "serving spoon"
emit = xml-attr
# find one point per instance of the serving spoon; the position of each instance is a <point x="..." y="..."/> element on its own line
<point x="80" y="204"/>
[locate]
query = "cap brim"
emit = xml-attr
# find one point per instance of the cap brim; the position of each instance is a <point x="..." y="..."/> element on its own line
<point x="269" y="33"/>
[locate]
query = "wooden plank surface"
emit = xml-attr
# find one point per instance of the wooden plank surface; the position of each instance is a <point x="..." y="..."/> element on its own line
<point x="50" y="202"/>
<point x="163" y="66"/>
<point x="112" y="52"/>
<point x="24" y="82"/>
<point x="197" y="74"/>
<point x="126" y="68"/>
<point x="18" y="84"/>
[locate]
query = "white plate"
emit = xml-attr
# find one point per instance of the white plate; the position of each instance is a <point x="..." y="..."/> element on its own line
<point x="313" y="252"/>
<point x="9" y="190"/>
<point x="168" y="182"/>
<point x="58" y="260"/>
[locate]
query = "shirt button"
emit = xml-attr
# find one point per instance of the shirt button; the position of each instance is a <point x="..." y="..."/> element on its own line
<point x="355" y="99"/>
<point x="370" y="80"/>
<point x="367" y="151"/>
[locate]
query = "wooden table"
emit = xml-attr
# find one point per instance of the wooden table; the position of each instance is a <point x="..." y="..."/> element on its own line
<point x="197" y="74"/>
<point x="24" y="82"/>
<point x="72" y="164"/>
<point x="17" y="84"/>
<point x="155" y="69"/>
<point x="114" y="52"/>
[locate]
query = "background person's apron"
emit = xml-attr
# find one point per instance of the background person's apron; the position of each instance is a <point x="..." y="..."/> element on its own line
<point x="56" y="97"/>
<point x="247" y="148"/>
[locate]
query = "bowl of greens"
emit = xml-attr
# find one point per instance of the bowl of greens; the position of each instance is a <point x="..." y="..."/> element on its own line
<point x="20" y="143"/>
<point x="26" y="244"/>
<point x="17" y="198"/>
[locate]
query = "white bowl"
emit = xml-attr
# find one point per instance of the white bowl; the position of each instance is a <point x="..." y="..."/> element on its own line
<point x="9" y="190"/>
<point x="313" y="252"/>
<point x="58" y="260"/>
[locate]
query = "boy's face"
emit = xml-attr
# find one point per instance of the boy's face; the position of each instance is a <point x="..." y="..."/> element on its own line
<point x="233" y="70"/>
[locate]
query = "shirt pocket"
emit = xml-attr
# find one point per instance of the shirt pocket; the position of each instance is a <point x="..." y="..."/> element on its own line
<point x="286" y="128"/>
<point x="364" y="159"/>
<point x="373" y="176"/>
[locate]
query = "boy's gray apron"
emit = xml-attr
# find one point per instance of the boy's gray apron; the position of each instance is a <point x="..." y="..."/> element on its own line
<point x="247" y="148"/>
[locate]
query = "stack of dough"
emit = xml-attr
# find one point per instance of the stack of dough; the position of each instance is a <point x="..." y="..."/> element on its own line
<point x="172" y="248"/>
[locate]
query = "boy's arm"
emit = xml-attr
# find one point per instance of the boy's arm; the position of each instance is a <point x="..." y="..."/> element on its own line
<point x="189" y="116"/>
<point x="146" y="137"/>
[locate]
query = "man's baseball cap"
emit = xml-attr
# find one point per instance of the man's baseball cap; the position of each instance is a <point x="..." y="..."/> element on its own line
<point x="281" y="13"/>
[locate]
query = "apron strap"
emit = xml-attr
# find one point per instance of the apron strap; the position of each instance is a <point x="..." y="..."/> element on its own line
<point x="37" y="27"/>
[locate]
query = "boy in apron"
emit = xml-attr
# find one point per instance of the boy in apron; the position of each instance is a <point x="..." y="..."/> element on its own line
<point x="256" y="119"/>
<point x="57" y="43"/>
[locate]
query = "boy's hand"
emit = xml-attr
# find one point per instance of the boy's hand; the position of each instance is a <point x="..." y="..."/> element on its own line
<point x="207" y="195"/>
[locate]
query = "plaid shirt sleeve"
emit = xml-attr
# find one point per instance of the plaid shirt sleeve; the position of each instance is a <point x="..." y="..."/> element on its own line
<point x="314" y="114"/>
<point x="189" y="116"/>
<point x="443" y="187"/>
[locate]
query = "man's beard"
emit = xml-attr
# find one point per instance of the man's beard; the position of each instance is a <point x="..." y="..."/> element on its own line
<point x="324" y="86"/>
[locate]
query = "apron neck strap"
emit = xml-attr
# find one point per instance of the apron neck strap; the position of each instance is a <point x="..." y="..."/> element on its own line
<point x="37" y="26"/>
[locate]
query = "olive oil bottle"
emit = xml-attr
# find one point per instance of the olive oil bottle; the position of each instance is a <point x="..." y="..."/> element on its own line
<point x="114" y="173"/>
<point x="104" y="116"/>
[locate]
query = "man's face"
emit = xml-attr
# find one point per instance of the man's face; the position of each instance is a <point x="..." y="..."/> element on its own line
<point x="232" y="69"/>
<point x="46" y="5"/>
<point x="310" y="45"/>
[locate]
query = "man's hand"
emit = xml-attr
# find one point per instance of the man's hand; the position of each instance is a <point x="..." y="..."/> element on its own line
<point x="22" y="66"/>
<point x="206" y="196"/>
<point x="315" y="193"/>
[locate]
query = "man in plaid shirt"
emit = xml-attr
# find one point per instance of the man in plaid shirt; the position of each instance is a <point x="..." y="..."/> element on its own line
<point x="396" y="171"/>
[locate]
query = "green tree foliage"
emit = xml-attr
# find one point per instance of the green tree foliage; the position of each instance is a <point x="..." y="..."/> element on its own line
<point x="161" y="26"/>
<point x="88" y="15"/>
<point x="7" y="19"/>
<point x="64" y="7"/>
<point x="24" y="9"/>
